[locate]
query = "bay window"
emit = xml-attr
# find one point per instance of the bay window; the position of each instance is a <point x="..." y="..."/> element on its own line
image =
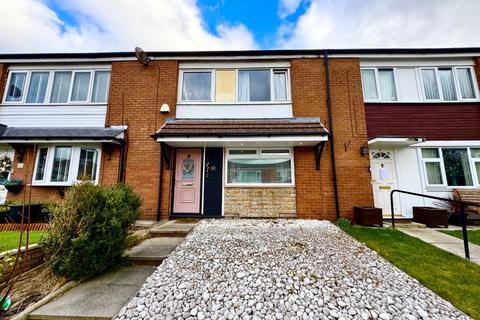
<point x="260" y="167"/>
<point x="234" y="85"/>
<point x="57" y="86"/>
<point x="452" y="167"/>
<point x="63" y="165"/>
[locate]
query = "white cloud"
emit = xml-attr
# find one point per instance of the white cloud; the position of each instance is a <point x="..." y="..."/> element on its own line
<point x="114" y="25"/>
<point x="287" y="7"/>
<point x="384" y="23"/>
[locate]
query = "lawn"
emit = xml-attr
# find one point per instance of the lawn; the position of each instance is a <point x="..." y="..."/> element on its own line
<point x="9" y="239"/>
<point x="473" y="235"/>
<point x="451" y="277"/>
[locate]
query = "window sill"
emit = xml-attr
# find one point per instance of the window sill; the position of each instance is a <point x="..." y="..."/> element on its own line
<point x="219" y="103"/>
<point x="9" y="104"/>
<point x="57" y="184"/>
<point x="448" y="189"/>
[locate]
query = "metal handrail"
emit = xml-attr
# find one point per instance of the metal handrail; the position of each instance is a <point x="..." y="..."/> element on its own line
<point x="462" y="213"/>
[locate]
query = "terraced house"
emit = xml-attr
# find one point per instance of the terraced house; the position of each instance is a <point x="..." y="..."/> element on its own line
<point x="286" y="133"/>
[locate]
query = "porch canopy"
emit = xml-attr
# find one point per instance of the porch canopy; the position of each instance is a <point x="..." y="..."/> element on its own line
<point x="242" y="133"/>
<point x="393" y="141"/>
<point x="19" y="135"/>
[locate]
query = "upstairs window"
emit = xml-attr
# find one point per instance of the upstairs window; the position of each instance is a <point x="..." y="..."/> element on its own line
<point x="57" y="86"/>
<point x="197" y="86"/>
<point x="235" y="85"/>
<point x="419" y="84"/>
<point x="15" y="86"/>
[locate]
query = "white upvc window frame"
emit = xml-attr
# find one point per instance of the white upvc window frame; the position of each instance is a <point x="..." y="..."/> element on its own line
<point x="421" y="88"/>
<point x="51" y="74"/>
<point x="74" y="164"/>
<point x="236" y="101"/>
<point x="471" y="162"/>
<point x="259" y="155"/>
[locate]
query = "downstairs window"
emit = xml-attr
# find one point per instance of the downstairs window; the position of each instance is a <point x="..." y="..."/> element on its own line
<point x="66" y="164"/>
<point x="259" y="167"/>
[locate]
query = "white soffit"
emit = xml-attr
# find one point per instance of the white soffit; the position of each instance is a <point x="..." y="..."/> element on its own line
<point x="394" y="141"/>
<point x="276" y="141"/>
<point x="416" y="62"/>
<point x="465" y="143"/>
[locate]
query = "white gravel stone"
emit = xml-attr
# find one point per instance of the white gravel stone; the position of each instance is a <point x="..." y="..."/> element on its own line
<point x="280" y="269"/>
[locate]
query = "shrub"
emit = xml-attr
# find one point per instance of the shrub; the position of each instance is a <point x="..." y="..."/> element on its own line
<point x="88" y="229"/>
<point x="343" y="223"/>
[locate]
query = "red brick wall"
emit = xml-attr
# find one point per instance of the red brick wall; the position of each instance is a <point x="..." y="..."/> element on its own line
<point x="315" y="196"/>
<point x="136" y="94"/>
<point x="3" y="78"/>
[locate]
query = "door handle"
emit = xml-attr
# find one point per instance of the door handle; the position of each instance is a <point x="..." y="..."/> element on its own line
<point x="188" y="184"/>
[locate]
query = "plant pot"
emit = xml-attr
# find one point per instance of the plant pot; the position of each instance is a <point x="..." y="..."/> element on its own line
<point x="14" y="188"/>
<point x="368" y="216"/>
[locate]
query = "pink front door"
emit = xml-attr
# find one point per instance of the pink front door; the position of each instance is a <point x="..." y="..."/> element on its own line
<point x="186" y="197"/>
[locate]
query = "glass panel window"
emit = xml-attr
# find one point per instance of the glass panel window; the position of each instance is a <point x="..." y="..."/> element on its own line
<point x="254" y="85"/>
<point x="41" y="163"/>
<point x="280" y="85"/>
<point x="457" y="167"/>
<point x="369" y="85"/>
<point x="61" y="164"/>
<point x="87" y="166"/>
<point x="387" y="84"/>
<point x="434" y="173"/>
<point x="430" y="84"/>
<point x="81" y="82"/>
<point x="61" y="87"/>
<point x="430" y="153"/>
<point x="465" y="82"/>
<point x="258" y="171"/>
<point x="16" y="86"/>
<point x="225" y="86"/>
<point x="475" y="152"/>
<point x="243" y="152"/>
<point x="101" y="84"/>
<point x="448" y="84"/>
<point x="477" y="169"/>
<point x="197" y="86"/>
<point x="38" y="87"/>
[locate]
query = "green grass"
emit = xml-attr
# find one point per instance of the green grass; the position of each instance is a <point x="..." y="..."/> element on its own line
<point x="9" y="239"/>
<point x="473" y="235"/>
<point x="451" y="277"/>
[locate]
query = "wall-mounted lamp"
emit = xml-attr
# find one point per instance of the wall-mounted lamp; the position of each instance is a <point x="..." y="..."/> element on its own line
<point x="363" y="150"/>
<point x="164" y="108"/>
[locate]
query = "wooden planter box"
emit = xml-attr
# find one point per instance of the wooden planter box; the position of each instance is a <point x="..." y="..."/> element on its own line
<point x="430" y="216"/>
<point x="368" y="216"/>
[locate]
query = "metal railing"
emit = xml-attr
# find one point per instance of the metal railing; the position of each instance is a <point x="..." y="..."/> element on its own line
<point x="462" y="213"/>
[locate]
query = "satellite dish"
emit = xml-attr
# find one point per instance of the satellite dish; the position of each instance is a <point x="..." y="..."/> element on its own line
<point x="142" y="56"/>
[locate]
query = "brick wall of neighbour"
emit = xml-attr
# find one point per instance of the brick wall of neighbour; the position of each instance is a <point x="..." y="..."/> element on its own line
<point x="315" y="196"/>
<point x="35" y="258"/>
<point x="3" y="78"/>
<point x="136" y="94"/>
<point x="253" y="202"/>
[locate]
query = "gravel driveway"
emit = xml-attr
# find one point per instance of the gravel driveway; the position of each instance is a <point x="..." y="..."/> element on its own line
<point x="280" y="269"/>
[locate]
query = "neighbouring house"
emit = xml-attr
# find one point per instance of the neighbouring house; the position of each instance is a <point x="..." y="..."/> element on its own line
<point x="278" y="133"/>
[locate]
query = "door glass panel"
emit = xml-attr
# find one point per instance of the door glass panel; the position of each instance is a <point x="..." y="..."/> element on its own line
<point x="188" y="169"/>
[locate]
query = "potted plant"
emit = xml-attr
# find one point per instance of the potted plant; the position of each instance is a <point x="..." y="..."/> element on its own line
<point x="14" y="185"/>
<point x="38" y="212"/>
<point x="453" y="208"/>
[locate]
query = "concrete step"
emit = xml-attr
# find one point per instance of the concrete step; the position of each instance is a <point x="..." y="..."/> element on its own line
<point x="99" y="298"/>
<point x="152" y="251"/>
<point x="174" y="228"/>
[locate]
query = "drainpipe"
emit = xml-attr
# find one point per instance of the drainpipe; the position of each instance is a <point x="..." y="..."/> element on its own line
<point x="159" y="199"/>
<point x="121" y="164"/>
<point x="332" y="144"/>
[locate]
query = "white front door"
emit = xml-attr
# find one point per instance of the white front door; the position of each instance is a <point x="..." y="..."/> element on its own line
<point x="384" y="179"/>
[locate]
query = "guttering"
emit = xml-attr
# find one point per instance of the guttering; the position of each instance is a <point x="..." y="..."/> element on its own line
<point x="238" y="55"/>
<point x="332" y="144"/>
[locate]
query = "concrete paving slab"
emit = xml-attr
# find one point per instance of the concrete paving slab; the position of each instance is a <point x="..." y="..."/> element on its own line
<point x="173" y="228"/>
<point x="445" y="242"/>
<point x="149" y="252"/>
<point x="99" y="298"/>
<point x="162" y="241"/>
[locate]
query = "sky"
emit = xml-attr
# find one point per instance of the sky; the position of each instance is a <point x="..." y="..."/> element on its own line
<point x="192" y="25"/>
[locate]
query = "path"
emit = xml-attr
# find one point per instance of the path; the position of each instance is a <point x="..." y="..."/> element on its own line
<point x="102" y="297"/>
<point x="444" y="241"/>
